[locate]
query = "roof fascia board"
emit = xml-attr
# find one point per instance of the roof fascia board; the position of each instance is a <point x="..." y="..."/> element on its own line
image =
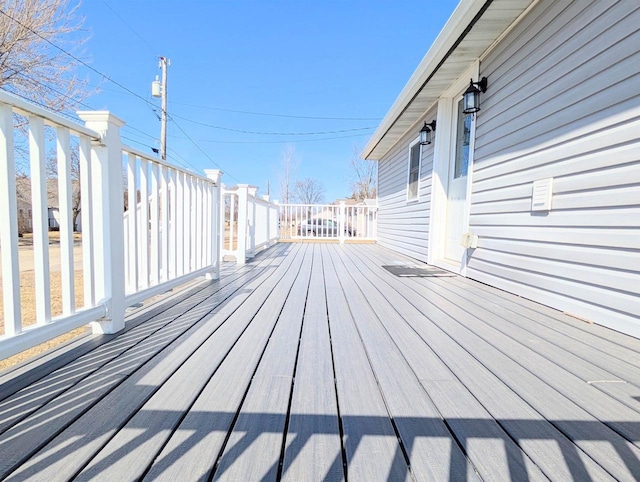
<point x="454" y="30"/>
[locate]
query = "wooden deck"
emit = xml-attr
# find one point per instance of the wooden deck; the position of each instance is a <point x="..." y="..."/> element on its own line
<point x="329" y="362"/>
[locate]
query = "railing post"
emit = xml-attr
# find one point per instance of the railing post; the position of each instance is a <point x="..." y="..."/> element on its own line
<point x="216" y="232"/>
<point x="222" y="220"/>
<point x="241" y="251"/>
<point x="251" y="214"/>
<point x="107" y="196"/>
<point x="9" y="231"/>
<point x="276" y="208"/>
<point x="341" y="222"/>
<point x="268" y="220"/>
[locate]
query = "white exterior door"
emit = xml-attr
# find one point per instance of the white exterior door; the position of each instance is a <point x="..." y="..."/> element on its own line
<point x="456" y="221"/>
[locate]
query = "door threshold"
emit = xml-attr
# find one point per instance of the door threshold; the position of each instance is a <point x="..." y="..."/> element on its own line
<point x="449" y="265"/>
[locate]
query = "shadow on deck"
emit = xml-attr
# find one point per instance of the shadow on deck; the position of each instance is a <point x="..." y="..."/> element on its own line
<point x="315" y="362"/>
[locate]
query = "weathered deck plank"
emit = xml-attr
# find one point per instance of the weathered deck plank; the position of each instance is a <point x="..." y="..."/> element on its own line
<point x="372" y="448"/>
<point x="560" y="369"/>
<point x="313" y="436"/>
<point x="166" y="408"/>
<point x="106" y="399"/>
<point x="498" y="456"/>
<point x="560" y="335"/>
<point x="194" y="447"/>
<point x="433" y="457"/>
<point x="555" y="392"/>
<point x="20" y="404"/>
<point x="538" y="436"/>
<point x="314" y="356"/>
<point x="254" y="446"/>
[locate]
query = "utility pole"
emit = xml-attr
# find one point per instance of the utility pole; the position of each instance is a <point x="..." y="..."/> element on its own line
<point x="160" y="90"/>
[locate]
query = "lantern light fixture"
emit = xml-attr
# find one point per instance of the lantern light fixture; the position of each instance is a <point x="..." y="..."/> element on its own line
<point x="426" y="133"/>
<point x="471" y="96"/>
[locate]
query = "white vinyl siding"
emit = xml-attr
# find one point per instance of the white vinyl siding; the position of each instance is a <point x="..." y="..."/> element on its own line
<point x="402" y="225"/>
<point x="563" y="102"/>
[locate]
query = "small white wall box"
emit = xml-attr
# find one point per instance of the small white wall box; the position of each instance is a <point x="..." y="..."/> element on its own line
<point x="469" y="240"/>
<point x="541" y="197"/>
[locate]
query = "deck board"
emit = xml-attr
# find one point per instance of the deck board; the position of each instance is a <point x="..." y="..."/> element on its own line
<point x="540" y="438"/>
<point x="253" y="449"/>
<point x="313" y="435"/>
<point x="436" y="457"/>
<point x="164" y="410"/>
<point x="113" y="391"/>
<point x="367" y="426"/>
<point x="312" y="362"/>
<point x="193" y="448"/>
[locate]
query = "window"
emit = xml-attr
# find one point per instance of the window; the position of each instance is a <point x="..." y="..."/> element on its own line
<point x="463" y="140"/>
<point x="414" y="171"/>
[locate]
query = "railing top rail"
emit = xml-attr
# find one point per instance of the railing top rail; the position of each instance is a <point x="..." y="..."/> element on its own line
<point x="259" y="200"/>
<point x="24" y="107"/>
<point x="157" y="160"/>
<point x="312" y="205"/>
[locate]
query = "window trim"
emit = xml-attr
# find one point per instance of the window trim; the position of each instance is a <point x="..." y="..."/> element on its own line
<point x="411" y="146"/>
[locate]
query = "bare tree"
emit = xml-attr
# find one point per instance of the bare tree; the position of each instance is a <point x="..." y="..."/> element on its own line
<point x="288" y="167"/>
<point x="363" y="176"/>
<point x="30" y="65"/>
<point x="308" y="191"/>
<point x="52" y="173"/>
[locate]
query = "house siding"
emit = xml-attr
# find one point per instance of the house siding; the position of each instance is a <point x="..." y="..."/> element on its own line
<point x="404" y="225"/>
<point x="563" y="102"/>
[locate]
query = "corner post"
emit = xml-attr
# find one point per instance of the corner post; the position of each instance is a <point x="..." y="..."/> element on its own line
<point x="107" y="200"/>
<point x="341" y="217"/>
<point x="216" y="253"/>
<point x="266" y="197"/>
<point x="251" y="213"/>
<point x="241" y="251"/>
<point x="277" y="208"/>
<point x="222" y="220"/>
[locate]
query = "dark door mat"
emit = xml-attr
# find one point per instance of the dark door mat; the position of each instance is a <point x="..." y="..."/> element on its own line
<point x="408" y="271"/>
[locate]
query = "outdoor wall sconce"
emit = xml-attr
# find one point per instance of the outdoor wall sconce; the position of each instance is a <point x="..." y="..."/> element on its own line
<point x="471" y="96"/>
<point x="426" y="133"/>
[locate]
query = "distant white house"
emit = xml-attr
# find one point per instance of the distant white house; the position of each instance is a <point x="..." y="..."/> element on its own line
<point x="538" y="193"/>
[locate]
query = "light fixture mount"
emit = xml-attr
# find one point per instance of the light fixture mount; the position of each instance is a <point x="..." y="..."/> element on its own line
<point x="426" y="132"/>
<point x="471" y="96"/>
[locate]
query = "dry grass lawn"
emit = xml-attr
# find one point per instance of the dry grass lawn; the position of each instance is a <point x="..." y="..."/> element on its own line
<point x="28" y="298"/>
<point x="28" y="306"/>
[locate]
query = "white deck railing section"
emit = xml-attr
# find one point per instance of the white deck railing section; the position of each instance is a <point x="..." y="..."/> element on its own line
<point x="250" y="218"/>
<point x="176" y="226"/>
<point x="333" y="221"/>
<point x="172" y="235"/>
<point x="169" y="235"/>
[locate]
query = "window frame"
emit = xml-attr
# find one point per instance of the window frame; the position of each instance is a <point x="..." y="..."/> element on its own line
<point x="410" y="199"/>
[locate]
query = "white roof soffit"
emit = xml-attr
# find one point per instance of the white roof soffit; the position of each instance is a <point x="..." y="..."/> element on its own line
<point x="472" y="28"/>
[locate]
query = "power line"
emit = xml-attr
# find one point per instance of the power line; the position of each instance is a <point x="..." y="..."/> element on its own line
<point x="273" y="133"/>
<point x="202" y="150"/>
<point x="273" y="142"/>
<point x="278" y="115"/>
<point x="79" y="102"/>
<point x="131" y="28"/>
<point x="44" y="106"/>
<point x="80" y="61"/>
<point x="128" y="126"/>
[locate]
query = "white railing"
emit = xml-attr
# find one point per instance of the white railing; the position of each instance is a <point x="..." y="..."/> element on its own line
<point x="170" y="232"/>
<point x="250" y="223"/>
<point x="328" y="221"/>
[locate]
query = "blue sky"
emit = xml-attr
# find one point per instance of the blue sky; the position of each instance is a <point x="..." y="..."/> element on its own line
<point x="342" y="60"/>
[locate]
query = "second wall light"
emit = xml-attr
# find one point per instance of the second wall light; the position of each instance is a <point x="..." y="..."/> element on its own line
<point x="426" y="133"/>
